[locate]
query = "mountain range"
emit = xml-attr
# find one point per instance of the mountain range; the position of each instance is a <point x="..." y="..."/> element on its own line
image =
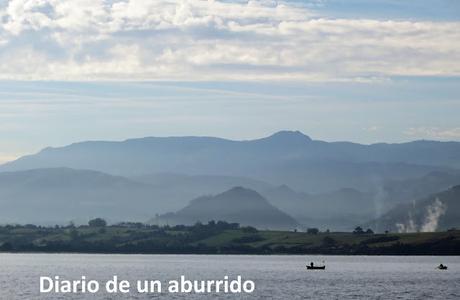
<point x="334" y="185"/>
<point x="57" y="195"/>
<point x="286" y="157"/>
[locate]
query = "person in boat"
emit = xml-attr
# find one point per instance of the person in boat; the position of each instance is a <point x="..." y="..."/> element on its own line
<point x="311" y="264"/>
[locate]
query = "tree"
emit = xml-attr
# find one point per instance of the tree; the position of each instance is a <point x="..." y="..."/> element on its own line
<point x="358" y="230"/>
<point x="312" y="230"/>
<point x="98" y="222"/>
<point x="369" y="231"/>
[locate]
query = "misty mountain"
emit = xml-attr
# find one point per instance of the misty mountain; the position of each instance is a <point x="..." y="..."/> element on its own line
<point x="342" y="209"/>
<point x="285" y="157"/>
<point x="239" y="205"/>
<point x="193" y="186"/>
<point x="63" y="194"/>
<point x="439" y="211"/>
<point x="396" y="192"/>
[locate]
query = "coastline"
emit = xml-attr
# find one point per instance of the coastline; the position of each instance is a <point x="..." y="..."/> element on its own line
<point x="224" y="240"/>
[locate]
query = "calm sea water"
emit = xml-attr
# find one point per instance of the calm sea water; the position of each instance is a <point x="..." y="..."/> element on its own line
<point x="276" y="277"/>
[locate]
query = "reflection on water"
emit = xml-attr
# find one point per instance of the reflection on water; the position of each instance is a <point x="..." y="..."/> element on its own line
<point x="275" y="277"/>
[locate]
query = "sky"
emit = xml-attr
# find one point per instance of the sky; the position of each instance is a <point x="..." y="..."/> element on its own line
<point x="356" y="70"/>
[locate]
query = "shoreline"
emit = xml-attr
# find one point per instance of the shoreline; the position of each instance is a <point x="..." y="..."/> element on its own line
<point x="222" y="239"/>
<point x="231" y="254"/>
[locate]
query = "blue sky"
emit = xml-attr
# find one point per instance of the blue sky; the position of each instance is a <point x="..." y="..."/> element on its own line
<point x="365" y="71"/>
<point x="428" y="10"/>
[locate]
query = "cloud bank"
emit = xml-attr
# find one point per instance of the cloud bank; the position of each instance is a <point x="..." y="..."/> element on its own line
<point x="443" y="134"/>
<point x="214" y="40"/>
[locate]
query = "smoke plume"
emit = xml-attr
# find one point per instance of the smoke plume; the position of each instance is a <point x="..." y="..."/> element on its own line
<point x="407" y="227"/>
<point x="433" y="213"/>
<point x="430" y="222"/>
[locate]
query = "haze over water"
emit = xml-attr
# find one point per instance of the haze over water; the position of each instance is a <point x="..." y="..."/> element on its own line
<point x="276" y="277"/>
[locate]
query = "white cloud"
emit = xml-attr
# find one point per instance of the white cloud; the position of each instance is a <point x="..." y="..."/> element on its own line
<point x="434" y="133"/>
<point x="205" y="40"/>
<point x="5" y="157"/>
<point x="372" y="128"/>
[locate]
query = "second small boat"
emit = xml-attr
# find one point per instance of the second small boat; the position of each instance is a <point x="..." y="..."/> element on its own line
<point x="442" y="267"/>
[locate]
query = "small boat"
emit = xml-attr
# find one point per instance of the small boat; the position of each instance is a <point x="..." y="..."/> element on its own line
<point x="442" y="267"/>
<point x="312" y="266"/>
<point x="316" y="267"/>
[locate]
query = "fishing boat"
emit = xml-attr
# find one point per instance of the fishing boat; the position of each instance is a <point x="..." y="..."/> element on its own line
<point x="311" y="266"/>
<point x="316" y="267"/>
<point x="442" y="267"/>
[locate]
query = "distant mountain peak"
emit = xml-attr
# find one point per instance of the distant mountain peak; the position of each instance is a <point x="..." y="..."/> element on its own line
<point x="284" y="187"/>
<point x="240" y="190"/>
<point x="238" y="204"/>
<point x="289" y="136"/>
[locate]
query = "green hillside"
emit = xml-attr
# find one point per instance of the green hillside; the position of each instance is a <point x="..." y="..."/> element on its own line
<point x="220" y="237"/>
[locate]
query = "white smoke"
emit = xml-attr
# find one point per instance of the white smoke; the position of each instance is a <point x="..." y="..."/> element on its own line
<point x="433" y="213"/>
<point x="407" y="227"/>
<point x="430" y="223"/>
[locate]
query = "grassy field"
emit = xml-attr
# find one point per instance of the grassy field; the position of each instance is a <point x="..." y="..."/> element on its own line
<point x="220" y="239"/>
<point x="275" y="239"/>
